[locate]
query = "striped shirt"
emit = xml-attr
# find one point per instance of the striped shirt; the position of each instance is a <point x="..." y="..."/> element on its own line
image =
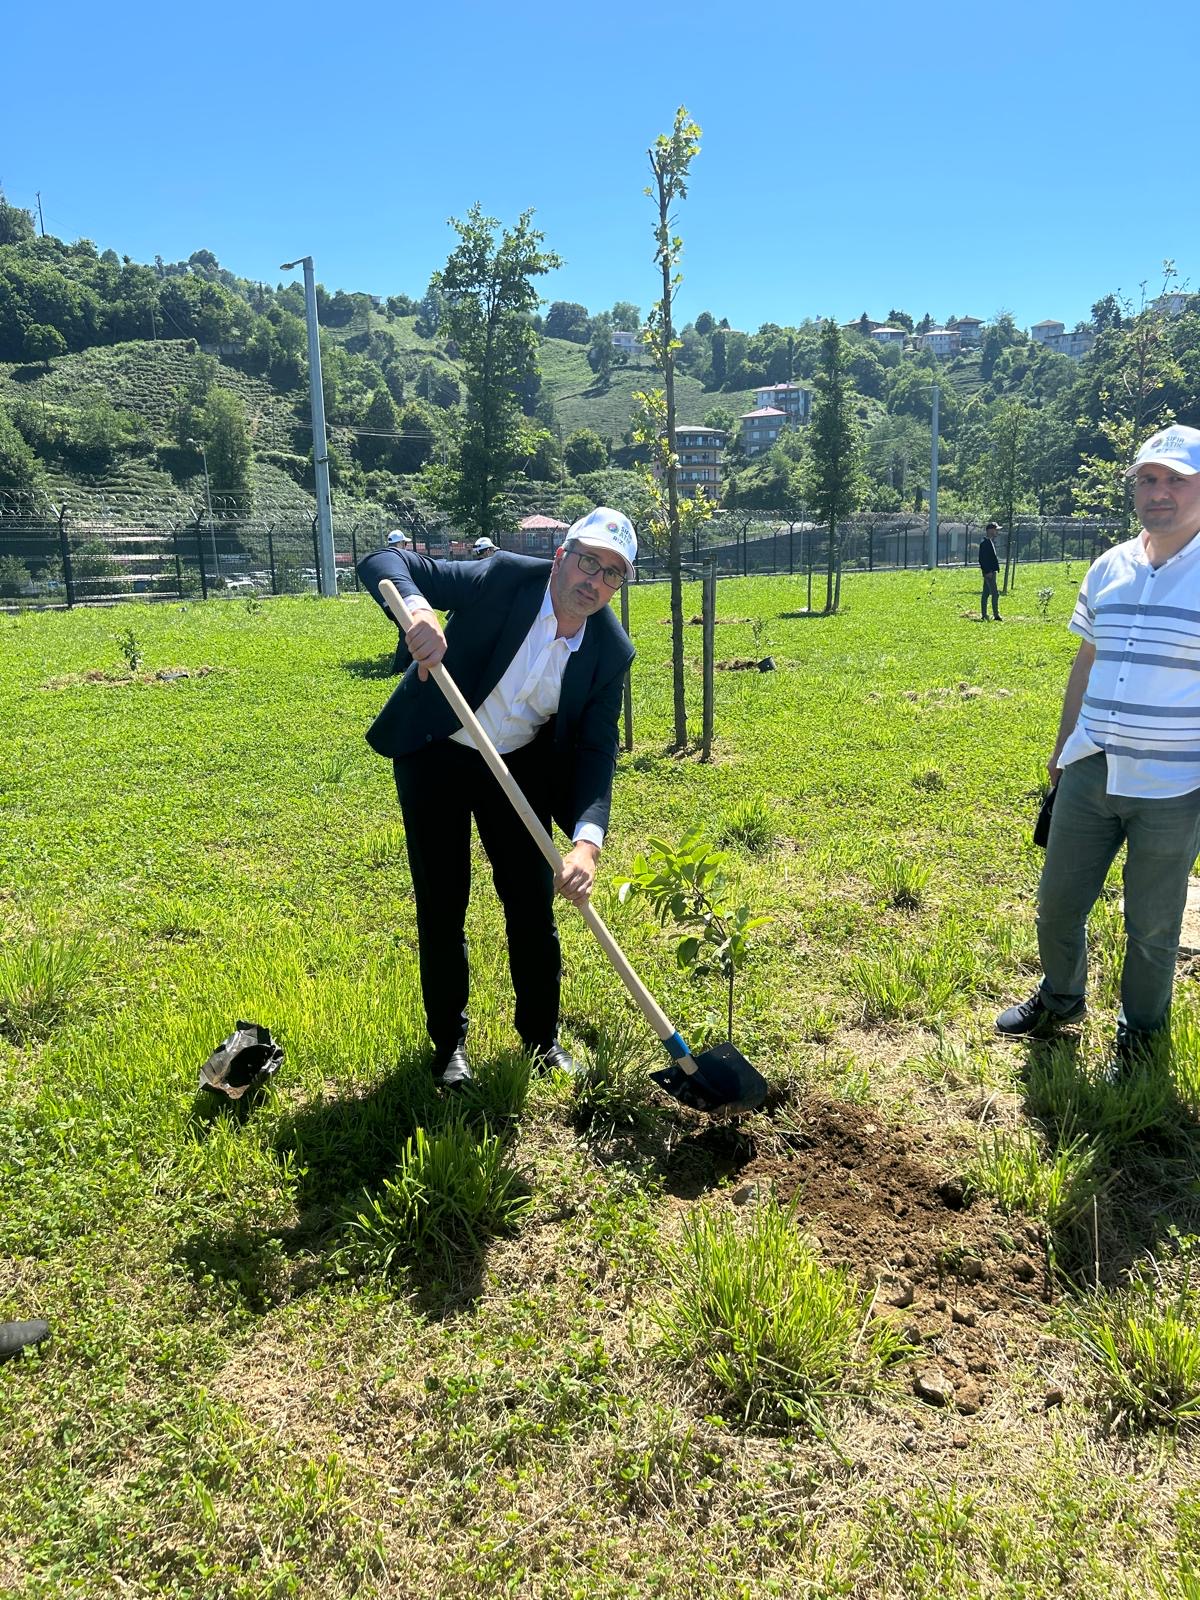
<point x="1141" y="706"/>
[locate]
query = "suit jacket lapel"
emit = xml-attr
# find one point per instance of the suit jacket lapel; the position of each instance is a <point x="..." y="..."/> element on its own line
<point x="577" y="677"/>
<point x="523" y="610"/>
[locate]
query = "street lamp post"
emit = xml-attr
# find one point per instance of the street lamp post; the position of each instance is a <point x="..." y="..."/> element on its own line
<point x="933" y="483"/>
<point x="212" y="532"/>
<point x="326" y="574"/>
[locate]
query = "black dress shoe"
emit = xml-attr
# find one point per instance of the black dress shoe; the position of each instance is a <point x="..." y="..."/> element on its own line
<point x="454" y="1070"/>
<point x="18" y="1336"/>
<point x="553" y="1058"/>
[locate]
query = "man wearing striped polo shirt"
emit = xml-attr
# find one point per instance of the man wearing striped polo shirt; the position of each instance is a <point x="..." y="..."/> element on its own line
<point x="1127" y="757"/>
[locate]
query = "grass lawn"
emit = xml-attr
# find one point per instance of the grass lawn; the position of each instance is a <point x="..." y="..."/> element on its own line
<point x="923" y="1327"/>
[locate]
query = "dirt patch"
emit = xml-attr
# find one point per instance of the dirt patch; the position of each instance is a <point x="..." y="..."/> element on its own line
<point x="698" y="621"/>
<point x="101" y="678"/>
<point x="965" y="1284"/>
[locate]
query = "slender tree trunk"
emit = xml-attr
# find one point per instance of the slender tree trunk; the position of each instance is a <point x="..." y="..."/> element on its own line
<point x="675" y="546"/>
<point x="830" y="603"/>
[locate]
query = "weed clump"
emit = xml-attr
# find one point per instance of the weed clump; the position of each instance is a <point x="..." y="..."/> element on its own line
<point x="750" y="826"/>
<point x="40" y="980"/>
<point x="1013" y="1169"/>
<point x="1145" y="1344"/>
<point x="777" y="1332"/>
<point x="451" y="1193"/>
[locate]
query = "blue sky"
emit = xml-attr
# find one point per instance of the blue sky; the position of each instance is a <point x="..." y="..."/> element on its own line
<point x="937" y="158"/>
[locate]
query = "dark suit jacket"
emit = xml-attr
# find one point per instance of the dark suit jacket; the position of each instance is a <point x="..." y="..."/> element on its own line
<point x="492" y="606"/>
<point x="989" y="561"/>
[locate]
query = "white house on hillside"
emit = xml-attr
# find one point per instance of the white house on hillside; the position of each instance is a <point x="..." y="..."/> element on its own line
<point x="1055" y="337"/>
<point x="793" y="399"/>
<point x="942" y="341"/>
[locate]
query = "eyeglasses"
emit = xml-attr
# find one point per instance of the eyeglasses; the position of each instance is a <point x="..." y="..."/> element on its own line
<point x="613" y="577"/>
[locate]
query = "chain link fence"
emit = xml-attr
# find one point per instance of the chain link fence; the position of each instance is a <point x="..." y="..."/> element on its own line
<point x="53" y="556"/>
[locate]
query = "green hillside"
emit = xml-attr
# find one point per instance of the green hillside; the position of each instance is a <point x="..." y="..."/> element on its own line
<point x="583" y="401"/>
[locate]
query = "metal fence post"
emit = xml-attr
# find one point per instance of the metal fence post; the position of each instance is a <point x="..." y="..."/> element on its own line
<point x="271" y="558"/>
<point x="871" y="548"/>
<point x="627" y="693"/>
<point x="178" y="562"/>
<point x="906" y="547"/>
<point x="354" y="552"/>
<point x="200" y="558"/>
<point x="64" y="547"/>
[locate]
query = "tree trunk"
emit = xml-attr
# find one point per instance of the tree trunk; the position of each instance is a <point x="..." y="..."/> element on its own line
<point x="830" y="598"/>
<point x="675" y="546"/>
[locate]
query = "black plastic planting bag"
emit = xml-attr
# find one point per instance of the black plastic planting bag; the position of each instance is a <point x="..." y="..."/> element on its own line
<point x="243" y="1061"/>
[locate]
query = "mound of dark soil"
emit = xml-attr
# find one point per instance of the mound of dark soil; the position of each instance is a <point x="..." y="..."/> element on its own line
<point x="964" y="1283"/>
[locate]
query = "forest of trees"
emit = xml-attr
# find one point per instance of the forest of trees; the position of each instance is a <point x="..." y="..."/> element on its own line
<point x="415" y="412"/>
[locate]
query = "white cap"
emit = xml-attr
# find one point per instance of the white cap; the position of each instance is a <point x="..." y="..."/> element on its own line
<point x="398" y="536"/>
<point x="1176" y="447"/>
<point x="483" y="544"/>
<point x="606" y="529"/>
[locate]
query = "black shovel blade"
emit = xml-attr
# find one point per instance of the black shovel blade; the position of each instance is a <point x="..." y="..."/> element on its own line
<point x="723" y="1081"/>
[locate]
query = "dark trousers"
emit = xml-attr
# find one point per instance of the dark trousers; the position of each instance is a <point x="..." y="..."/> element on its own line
<point x="441" y="789"/>
<point x="990" y="587"/>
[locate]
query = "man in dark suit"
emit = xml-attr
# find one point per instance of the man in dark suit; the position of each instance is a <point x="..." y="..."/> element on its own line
<point x="541" y="658"/>
<point x="989" y="566"/>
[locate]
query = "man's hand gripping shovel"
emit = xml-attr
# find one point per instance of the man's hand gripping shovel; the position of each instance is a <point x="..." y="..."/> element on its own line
<point x="715" y="1080"/>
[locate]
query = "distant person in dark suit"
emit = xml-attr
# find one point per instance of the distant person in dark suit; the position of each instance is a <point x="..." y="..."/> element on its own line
<point x="989" y="565"/>
<point x="541" y="658"/>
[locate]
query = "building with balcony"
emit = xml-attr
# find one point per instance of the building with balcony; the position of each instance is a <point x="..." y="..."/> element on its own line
<point x="1054" y="336"/>
<point x="793" y="399"/>
<point x="943" y="342"/>
<point x="701" y="455"/>
<point x="887" y="334"/>
<point x="761" y="428"/>
<point x="627" y="342"/>
<point x="970" y="330"/>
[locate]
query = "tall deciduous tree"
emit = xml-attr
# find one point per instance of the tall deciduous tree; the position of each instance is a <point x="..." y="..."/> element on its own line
<point x="226" y="435"/>
<point x="834" y="452"/>
<point x="1004" y="469"/>
<point x="670" y="162"/>
<point x="600" y="351"/>
<point x="488" y="303"/>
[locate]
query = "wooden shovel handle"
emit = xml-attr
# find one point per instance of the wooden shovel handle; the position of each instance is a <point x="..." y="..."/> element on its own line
<point x="649" y="1007"/>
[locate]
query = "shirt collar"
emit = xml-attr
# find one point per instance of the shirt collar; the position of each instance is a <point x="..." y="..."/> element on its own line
<point x="547" y="614"/>
<point x="1188" y="549"/>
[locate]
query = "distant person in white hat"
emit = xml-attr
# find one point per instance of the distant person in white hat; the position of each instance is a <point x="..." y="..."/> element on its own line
<point x="1127" y="758"/>
<point x="540" y="655"/>
<point x="398" y="539"/>
<point x="483" y="548"/>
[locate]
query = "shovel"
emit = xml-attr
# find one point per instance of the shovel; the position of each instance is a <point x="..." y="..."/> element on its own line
<point x="719" y="1079"/>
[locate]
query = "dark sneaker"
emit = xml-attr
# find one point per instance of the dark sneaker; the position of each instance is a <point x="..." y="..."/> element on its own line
<point x="1133" y="1052"/>
<point x="18" y="1336"/>
<point x="1032" y="1017"/>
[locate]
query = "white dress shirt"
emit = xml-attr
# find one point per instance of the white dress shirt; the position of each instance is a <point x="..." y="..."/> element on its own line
<point x="1142" y="701"/>
<point x="528" y="693"/>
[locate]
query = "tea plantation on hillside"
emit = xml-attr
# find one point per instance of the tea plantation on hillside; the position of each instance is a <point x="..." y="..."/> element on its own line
<point x="922" y="1327"/>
